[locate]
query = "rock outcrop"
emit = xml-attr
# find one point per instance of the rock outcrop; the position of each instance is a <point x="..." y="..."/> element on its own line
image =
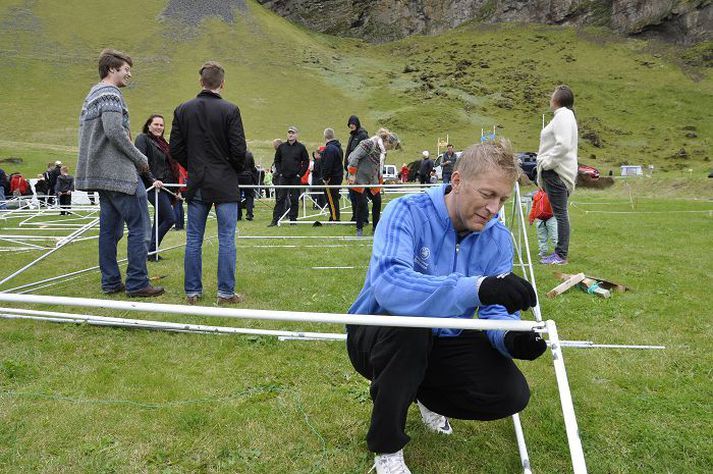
<point x="681" y="21"/>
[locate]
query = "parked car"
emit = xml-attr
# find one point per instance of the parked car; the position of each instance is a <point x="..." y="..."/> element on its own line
<point x="390" y="174"/>
<point x="589" y="171"/>
<point x="437" y="164"/>
<point x="528" y="163"/>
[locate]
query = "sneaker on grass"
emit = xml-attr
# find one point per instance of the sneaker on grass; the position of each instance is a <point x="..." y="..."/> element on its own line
<point x="553" y="259"/>
<point x="390" y="463"/>
<point x="434" y="421"/>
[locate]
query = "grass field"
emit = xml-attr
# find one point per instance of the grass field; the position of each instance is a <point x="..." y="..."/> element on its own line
<point x="75" y="398"/>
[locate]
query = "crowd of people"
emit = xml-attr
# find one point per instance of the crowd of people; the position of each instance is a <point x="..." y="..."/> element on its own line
<point x="441" y="253"/>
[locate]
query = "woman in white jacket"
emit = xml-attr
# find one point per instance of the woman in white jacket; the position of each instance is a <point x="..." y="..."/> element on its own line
<point x="557" y="166"/>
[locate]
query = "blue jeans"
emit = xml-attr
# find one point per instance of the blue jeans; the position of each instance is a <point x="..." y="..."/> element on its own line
<point x="2" y="196"/>
<point x="115" y="209"/>
<point x="163" y="213"/>
<point x="193" y="263"/>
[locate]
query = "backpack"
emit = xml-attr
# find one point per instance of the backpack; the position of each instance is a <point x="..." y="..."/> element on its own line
<point x="541" y="208"/>
<point x="19" y="185"/>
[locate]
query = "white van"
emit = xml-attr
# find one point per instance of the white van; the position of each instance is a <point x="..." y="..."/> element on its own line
<point x="390" y="174"/>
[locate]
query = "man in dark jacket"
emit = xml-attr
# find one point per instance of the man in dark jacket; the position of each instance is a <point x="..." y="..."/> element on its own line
<point x="332" y="158"/>
<point x="248" y="177"/>
<point x="424" y="171"/>
<point x="447" y="163"/>
<point x="291" y="162"/>
<point x="207" y="139"/>
<point x="356" y="135"/>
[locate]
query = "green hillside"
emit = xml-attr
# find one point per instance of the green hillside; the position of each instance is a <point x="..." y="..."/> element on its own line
<point x="634" y="105"/>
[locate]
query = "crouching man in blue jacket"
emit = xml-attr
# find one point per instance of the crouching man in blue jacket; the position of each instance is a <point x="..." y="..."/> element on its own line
<point x="444" y="254"/>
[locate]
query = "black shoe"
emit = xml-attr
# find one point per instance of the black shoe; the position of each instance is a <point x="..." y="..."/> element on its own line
<point x="272" y="224"/>
<point x="146" y="292"/>
<point x="250" y="218"/>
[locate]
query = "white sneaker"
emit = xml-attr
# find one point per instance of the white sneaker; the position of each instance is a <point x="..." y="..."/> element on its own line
<point x="434" y="421"/>
<point x="391" y="463"/>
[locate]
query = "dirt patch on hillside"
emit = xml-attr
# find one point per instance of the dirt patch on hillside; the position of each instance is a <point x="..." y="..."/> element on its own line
<point x="192" y="12"/>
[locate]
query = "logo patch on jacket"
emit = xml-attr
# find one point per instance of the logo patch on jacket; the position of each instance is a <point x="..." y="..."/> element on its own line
<point x="423" y="257"/>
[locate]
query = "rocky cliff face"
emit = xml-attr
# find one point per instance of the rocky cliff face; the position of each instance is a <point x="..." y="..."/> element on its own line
<point x="682" y="21"/>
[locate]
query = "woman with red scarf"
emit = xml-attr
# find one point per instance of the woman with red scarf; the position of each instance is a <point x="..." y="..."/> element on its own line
<point x="162" y="169"/>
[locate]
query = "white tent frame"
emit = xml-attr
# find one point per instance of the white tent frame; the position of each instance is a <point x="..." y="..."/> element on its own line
<point x="548" y="327"/>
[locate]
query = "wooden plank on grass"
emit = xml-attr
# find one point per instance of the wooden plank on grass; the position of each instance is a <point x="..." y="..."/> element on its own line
<point x="566" y="285"/>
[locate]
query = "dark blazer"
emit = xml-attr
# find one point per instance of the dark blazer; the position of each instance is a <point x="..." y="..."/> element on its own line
<point x="207" y="139"/>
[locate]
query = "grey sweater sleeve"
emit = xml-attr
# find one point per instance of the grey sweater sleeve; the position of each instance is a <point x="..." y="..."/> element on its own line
<point x="115" y="132"/>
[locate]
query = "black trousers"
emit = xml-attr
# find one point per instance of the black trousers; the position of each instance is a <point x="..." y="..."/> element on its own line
<point x="375" y="207"/>
<point x="459" y="377"/>
<point x="246" y="202"/>
<point x="362" y="208"/>
<point x="557" y="193"/>
<point x="332" y="197"/>
<point x="286" y="198"/>
<point x="65" y="202"/>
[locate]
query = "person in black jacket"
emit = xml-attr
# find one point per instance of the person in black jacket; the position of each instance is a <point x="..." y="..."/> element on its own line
<point x="291" y="162"/>
<point x="356" y="135"/>
<point x="332" y="174"/>
<point x="425" y="168"/>
<point x="152" y="144"/>
<point x="248" y="177"/>
<point x="207" y="139"/>
<point x="63" y="190"/>
<point x="53" y="170"/>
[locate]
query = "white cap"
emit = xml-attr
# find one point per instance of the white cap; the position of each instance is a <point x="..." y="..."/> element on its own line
<point x="57" y="162"/>
<point x="425" y="153"/>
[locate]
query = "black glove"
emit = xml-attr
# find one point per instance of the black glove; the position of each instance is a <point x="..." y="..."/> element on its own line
<point x="508" y="290"/>
<point x="524" y="345"/>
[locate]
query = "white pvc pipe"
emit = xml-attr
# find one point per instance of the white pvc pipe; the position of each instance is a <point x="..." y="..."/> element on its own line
<point x="579" y="466"/>
<point x="356" y="319"/>
<point x="9" y="313"/>
<point x="60" y="244"/>
<point x="536" y="309"/>
<point x="521" y="446"/>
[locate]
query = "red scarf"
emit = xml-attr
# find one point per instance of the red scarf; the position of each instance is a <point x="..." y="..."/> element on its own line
<point x="162" y="145"/>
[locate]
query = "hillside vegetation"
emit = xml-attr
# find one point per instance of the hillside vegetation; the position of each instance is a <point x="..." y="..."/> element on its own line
<point x="634" y="103"/>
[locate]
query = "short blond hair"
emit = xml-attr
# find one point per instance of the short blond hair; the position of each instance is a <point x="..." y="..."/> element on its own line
<point x="486" y="156"/>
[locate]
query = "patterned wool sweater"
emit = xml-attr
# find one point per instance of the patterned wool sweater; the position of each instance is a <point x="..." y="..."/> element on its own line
<point x="107" y="159"/>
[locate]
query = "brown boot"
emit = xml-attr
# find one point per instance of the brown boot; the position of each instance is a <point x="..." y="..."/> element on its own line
<point x="146" y="292"/>
<point x="192" y="300"/>
<point x="235" y="299"/>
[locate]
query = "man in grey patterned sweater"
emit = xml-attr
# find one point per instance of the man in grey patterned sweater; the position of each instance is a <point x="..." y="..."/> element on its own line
<point x="110" y="163"/>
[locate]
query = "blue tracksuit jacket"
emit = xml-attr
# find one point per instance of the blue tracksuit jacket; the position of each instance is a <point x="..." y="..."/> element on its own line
<point x="418" y="267"/>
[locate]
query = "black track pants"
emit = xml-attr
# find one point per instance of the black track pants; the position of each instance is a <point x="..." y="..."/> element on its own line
<point x="459" y="377"/>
